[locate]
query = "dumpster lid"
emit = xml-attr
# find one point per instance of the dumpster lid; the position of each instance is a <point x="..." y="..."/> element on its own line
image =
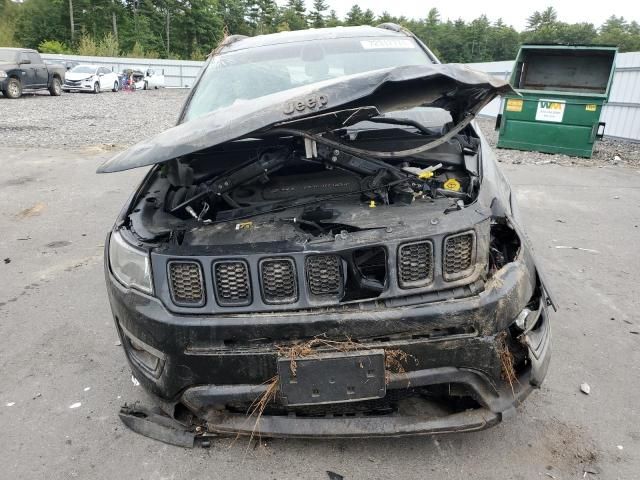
<point x="581" y="70"/>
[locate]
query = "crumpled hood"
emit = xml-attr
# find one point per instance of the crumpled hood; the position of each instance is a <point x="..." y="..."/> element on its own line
<point x="456" y="88"/>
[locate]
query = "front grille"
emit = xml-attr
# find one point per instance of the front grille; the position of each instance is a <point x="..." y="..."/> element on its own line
<point x="415" y="264"/>
<point x="72" y="83"/>
<point x="324" y="274"/>
<point x="185" y="283"/>
<point x="278" y="279"/>
<point x="458" y="255"/>
<point x="232" y="283"/>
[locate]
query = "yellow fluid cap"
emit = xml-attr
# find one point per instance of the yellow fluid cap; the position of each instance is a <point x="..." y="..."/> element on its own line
<point x="425" y="175"/>
<point x="452" y="184"/>
<point x="372" y="204"/>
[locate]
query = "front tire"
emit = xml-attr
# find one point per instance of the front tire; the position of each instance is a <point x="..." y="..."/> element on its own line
<point x="96" y="87"/>
<point x="56" y="88"/>
<point x="14" y="88"/>
<point x="116" y="87"/>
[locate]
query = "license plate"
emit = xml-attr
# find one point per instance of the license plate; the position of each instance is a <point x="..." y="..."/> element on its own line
<point x="332" y="378"/>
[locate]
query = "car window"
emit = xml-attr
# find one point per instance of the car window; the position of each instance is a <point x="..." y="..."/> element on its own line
<point x="23" y="57"/>
<point x="247" y="74"/>
<point x="34" y="57"/>
<point x="84" y="69"/>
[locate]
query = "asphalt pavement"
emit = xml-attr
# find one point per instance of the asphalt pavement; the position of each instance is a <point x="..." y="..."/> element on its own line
<point x="58" y="345"/>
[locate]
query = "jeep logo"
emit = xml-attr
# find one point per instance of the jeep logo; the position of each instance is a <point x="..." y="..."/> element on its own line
<point x="312" y="102"/>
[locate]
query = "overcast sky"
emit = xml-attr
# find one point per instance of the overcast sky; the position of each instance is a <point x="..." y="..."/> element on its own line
<point x="512" y="12"/>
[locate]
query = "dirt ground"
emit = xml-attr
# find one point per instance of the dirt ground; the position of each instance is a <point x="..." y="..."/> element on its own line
<point x="58" y="345"/>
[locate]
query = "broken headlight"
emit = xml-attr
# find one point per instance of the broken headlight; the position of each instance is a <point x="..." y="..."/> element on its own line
<point x="130" y="265"/>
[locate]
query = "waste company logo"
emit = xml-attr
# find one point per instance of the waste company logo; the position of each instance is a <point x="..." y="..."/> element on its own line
<point x="550" y="110"/>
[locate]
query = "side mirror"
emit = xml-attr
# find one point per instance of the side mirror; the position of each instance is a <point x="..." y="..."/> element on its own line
<point x="25" y="61"/>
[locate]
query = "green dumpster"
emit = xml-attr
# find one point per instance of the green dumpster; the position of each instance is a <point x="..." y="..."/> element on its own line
<point x="562" y="90"/>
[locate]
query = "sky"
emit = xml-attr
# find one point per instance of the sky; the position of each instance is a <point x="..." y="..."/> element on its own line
<point x="512" y="12"/>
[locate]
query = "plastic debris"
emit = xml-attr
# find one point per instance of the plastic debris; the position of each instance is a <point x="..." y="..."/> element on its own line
<point x="37" y="395"/>
<point x="75" y="405"/>
<point x="585" y="388"/>
<point x="135" y="381"/>
<point x="118" y="343"/>
<point x="334" y="475"/>
<point x="7" y="260"/>
<point x="11" y="404"/>
<point x="86" y="389"/>
<point x="620" y="447"/>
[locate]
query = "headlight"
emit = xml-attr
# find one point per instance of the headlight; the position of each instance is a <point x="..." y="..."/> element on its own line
<point x="3" y="74"/>
<point x="130" y="265"/>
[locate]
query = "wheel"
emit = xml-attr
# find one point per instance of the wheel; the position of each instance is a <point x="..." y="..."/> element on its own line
<point x="14" y="88"/>
<point x="96" y="87"/>
<point x="55" y="89"/>
<point x="146" y="86"/>
<point x="116" y="87"/>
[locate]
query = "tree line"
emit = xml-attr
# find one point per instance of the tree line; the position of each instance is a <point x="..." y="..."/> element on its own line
<point x="190" y="29"/>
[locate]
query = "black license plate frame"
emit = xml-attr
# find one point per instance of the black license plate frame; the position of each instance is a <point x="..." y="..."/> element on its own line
<point x="333" y="377"/>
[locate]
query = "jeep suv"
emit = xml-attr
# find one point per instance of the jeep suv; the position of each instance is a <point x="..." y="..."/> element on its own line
<point x="326" y="235"/>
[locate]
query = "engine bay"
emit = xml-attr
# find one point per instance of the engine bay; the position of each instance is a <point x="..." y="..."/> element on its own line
<point x="304" y="187"/>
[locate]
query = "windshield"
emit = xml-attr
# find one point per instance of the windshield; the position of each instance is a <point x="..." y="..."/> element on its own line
<point x="83" y="69"/>
<point x="7" y="56"/>
<point x="247" y="74"/>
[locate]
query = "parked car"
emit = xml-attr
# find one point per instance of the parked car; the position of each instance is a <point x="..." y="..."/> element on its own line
<point x="23" y="70"/>
<point x="326" y="238"/>
<point x="90" y="78"/>
<point x="67" y="64"/>
<point x="131" y="78"/>
<point x="141" y="79"/>
<point x="153" y="79"/>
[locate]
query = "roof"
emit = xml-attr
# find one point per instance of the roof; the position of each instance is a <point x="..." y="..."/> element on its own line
<point x="310" y="34"/>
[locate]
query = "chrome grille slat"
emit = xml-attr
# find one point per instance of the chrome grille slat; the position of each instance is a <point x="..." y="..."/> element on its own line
<point x="186" y="283"/>
<point x="415" y="264"/>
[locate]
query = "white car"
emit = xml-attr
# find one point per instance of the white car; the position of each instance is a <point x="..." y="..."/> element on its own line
<point x="90" y="78"/>
<point x="151" y="80"/>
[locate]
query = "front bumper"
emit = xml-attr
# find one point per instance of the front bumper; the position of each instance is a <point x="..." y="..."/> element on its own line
<point x="77" y="88"/>
<point x="216" y="365"/>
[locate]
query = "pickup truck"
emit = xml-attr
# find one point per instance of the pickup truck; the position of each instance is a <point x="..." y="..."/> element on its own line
<point x="22" y="69"/>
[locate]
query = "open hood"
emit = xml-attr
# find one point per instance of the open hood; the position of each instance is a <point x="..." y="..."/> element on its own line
<point x="456" y="88"/>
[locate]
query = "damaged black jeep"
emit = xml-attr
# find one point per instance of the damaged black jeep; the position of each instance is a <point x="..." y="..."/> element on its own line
<point x="326" y="235"/>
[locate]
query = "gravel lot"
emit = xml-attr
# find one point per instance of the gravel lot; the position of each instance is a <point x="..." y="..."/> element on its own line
<point x="64" y="375"/>
<point x="83" y="119"/>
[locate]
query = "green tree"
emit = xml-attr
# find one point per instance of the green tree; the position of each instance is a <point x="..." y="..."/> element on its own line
<point x="317" y="16"/>
<point x="294" y="15"/>
<point x="332" y="19"/>
<point x="355" y="16"/>
<point x="53" y="46"/>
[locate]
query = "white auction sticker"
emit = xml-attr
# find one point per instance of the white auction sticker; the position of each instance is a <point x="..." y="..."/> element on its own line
<point x="550" y="110"/>
<point x="387" y="43"/>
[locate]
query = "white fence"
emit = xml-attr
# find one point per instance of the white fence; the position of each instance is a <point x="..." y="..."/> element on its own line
<point x="177" y="73"/>
<point x="621" y="113"/>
